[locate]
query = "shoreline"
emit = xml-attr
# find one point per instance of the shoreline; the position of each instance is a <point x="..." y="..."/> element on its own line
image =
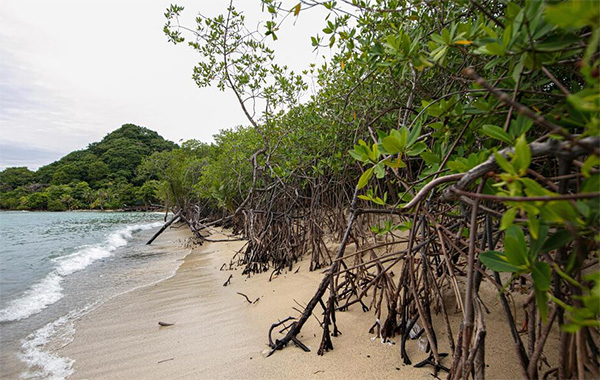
<point x="216" y="333"/>
<point x="35" y="353"/>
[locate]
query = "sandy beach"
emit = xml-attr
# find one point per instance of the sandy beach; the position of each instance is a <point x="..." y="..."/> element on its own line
<point x="216" y="333"/>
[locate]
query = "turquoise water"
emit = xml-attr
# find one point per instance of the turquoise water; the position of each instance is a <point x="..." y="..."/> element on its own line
<point x="55" y="267"/>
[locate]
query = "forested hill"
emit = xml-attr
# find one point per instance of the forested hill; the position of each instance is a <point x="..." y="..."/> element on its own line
<point x="105" y="175"/>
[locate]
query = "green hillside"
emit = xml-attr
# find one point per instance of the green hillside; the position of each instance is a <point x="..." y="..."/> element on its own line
<point x="103" y="176"/>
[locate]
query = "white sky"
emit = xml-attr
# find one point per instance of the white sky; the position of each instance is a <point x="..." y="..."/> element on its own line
<point x="73" y="71"/>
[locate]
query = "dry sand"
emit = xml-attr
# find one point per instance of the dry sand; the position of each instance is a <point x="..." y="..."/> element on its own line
<point x="217" y="334"/>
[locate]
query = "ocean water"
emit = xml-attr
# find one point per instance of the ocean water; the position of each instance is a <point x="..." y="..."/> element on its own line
<point x="56" y="267"/>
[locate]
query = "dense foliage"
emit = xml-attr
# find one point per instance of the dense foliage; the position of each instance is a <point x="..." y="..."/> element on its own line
<point x="105" y="175"/>
<point x="475" y="123"/>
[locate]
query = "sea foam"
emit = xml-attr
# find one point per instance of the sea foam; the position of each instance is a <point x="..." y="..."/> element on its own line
<point x="49" y="290"/>
<point x="46" y="364"/>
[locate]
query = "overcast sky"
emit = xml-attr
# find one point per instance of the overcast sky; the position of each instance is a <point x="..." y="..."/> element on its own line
<point x="73" y="71"/>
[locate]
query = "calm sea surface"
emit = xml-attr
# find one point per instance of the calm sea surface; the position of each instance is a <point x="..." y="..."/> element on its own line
<point x="55" y="267"/>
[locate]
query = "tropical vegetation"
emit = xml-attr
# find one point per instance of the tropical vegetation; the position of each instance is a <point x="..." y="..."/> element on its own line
<point x="455" y="143"/>
<point x="465" y="131"/>
<point x="105" y="175"/>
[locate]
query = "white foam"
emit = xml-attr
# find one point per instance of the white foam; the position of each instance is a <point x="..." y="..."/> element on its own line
<point x="45" y="364"/>
<point x="49" y="291"/>
<point x="35" y="299"/>
<point x="39" y="346"/>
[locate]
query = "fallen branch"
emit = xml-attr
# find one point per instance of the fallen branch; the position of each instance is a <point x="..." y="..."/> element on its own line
<point x="248" y="299"/>
<point x="222" y="240"/>
<point x="165" y="226"/>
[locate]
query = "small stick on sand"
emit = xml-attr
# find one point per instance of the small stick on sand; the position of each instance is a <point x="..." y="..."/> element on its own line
<point x="228" y="280"/>
<point x="243" y="295"/>
<point x="164" y="324"/>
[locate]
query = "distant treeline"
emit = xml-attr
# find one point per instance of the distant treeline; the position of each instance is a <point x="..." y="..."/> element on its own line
<point x="109" y="174"/>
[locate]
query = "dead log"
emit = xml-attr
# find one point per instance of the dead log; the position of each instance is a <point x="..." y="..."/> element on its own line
<point x="163" y="228"/>
<point x="192" y="227"/>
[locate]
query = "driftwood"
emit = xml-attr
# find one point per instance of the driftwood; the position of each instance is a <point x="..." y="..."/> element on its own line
<point x="192" y="227"/>
<point x="165" y="226"/>
<point x="248" y="299"/>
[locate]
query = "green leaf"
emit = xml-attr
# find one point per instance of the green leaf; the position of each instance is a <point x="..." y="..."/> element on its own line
<point x="517" y="71"/>
<point x="496" y="133"/>
<point x="563" y="209"/>
<point x="522" y="156"/>
<point x="507" y="35"/>
<point x="413" y="135"/>
<point x="541" y="299"/>
<point x="374" y="153"/>
<point x="515" y="247"/>
<point x="541" y="275"/>
<point x="573" y="14"/>
<point x="357" y="156"/>
<point x="508" y="218"/>
<point x="401" y="135"/>
<point x="521" y="125"/>
<point x="497" y="262"/>
<point x="559" y="239"/>
<point x="379" y="170"/>
<point x="504" y="164"/>
<point x="589" y="163"/>
<point x="430" y="158"/>
<point x="591" y="184"/>
<point x="557" y="42"/>
<point x="457" y="166"/>
<point x="587" y="100"/>
<point x="495" y="48"/>
<point x="534" y="227"/>
<point x="365" y="177"/>
<point x="533" y="188"/>
<point x="535" y="243"/>
<point x="394" y="163"/>
<point x="416" y="149"/>
<point x="392" y="145"/>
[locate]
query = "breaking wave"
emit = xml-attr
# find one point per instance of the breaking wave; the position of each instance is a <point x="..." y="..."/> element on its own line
<point x="49" y="290"/>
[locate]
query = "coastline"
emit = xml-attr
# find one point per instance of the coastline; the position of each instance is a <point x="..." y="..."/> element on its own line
<point x="216" y="333"/>
<point x="31" y="352"/>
